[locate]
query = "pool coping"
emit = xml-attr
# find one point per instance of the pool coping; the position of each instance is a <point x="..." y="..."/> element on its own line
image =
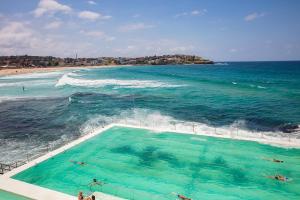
<point x="36" y="192"/>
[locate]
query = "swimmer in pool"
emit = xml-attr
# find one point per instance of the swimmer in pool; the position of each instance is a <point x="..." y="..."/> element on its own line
<point x="279" y="178"/>
<point x="183" y="197"/>
<point x="77" y="163"/>
<point x="180" y="196"/>
<point x="273" y="160"/>
<point x="96" y="182"/>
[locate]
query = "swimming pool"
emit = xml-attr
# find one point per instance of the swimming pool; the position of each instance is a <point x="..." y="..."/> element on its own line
<point x="142" y="164"/>
<point x="10" y="196"/>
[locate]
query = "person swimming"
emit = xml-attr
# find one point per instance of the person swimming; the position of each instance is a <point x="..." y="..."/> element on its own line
<point x="180" y="196"/>
<point x="77" y="162"/>
<point x="183" y="197"/>
<point x="273" y="160"/>
<point x="278" y="161"/>
<point x="279" y="178"/>
<point x="96" y="182"/>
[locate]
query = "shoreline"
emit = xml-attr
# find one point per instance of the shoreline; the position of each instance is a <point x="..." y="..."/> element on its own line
<point x="17" y="71"/>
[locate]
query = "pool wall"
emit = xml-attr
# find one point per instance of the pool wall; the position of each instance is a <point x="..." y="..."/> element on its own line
<point x="36" y="192"/>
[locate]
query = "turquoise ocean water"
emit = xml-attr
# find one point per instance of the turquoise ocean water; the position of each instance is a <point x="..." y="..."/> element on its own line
<point x="57" y="107"/>
<point x="144" y="165"/>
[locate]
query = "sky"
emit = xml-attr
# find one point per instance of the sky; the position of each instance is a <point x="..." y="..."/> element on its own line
<point x="220" y="30"/>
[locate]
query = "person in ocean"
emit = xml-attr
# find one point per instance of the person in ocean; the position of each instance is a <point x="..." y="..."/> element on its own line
<point x="23" y="88"/>
<point x="77" y="162"/>
<point x="279" y="178"/>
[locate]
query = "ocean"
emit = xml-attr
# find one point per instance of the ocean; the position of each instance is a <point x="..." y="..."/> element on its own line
<point x="57" y="107"/>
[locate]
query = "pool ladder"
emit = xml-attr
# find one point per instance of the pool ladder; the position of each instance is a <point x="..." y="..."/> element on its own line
<point x="8" y="167"/>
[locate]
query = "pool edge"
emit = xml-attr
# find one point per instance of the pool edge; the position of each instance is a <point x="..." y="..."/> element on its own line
<point x="36" y="192"/>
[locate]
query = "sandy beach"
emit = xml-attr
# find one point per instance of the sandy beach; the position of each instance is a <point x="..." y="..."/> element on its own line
<point x="15" y="71"/>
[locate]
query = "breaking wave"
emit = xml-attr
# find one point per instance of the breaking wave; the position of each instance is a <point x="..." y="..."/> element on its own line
<point x="221" y="63"/>
<point x="156" y="120"/>
<point x="67" y="79"/>
<point x="258" y="86"/>
<point x="34" y="75"/>
<point x="30" y="83"/>
<point x="14" y="149"/>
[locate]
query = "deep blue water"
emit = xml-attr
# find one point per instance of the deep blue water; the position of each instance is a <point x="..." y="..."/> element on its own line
<point x="57" y="107"/>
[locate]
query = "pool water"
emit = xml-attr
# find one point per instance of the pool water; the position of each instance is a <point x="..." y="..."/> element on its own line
<point x="141" y="164"/>
<point x="10" y="196"/>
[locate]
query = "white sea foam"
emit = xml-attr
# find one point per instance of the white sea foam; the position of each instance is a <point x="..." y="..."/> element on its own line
<point x="29" y="83"/>
<point x="257" y="86"/>
<point x="67" y="79"/>
<point x="13" y="149"/>
<point x="18" y="98"/>
<point x="221" y="63"/>
<point x="155" y="120"/>
<point x="34" y="75"/>
<point x="234" y="83"/>
<point x="261" y="87"/>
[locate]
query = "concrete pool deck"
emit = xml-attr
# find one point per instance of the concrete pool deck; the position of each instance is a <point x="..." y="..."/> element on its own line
<point x="37" y="192"/>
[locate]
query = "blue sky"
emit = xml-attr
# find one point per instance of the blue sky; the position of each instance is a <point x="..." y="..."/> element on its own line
<point x="219" y="30"/>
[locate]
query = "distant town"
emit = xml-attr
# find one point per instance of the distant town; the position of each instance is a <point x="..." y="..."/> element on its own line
<point x="26" y="61"/>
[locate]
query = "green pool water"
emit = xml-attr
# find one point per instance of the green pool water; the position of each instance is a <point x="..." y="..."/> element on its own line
<point x="10" y="196"/>
<point x="141" y="164"/>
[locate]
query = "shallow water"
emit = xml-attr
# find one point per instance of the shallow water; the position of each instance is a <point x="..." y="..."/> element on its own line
<point x="140" y="164"/>
<point x="57" y="107"/>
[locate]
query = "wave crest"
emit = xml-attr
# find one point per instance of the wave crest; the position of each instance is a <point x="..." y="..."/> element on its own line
<point x="67" y="79"/>
<point x="156" y="121"/>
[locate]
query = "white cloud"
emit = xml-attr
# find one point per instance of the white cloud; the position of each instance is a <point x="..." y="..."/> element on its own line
<point x="15" y="35"/>
<point x="89" y="15"/>
<point x="127" y="50"/>
<point x="135" y="27"/>
<point x="233" y="50"/>
<point x="181" y="14"/>
<point x="192" y="13"/>
<point x="140" y="47"/>
<point x="53" y="25"/>
<point x="253" y="16"/>
<point x="92" y="2"/>
<point x="181" y="49"/>
<point x="50" y="7"/>
<point x="195" y="12"/>
<point x="18" y="38"/>
<point x="98" y="34"/>
<point x="136" y="16"/>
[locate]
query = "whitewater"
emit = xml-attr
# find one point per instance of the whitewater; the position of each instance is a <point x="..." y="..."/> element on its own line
<point x="257" y="101"/>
